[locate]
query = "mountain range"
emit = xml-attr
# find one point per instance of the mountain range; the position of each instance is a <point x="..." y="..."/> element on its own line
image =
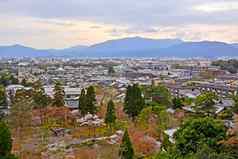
<point x="130" y="47"/>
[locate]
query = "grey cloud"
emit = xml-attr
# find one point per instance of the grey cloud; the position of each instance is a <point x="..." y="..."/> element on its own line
<point x="121" y="12"/>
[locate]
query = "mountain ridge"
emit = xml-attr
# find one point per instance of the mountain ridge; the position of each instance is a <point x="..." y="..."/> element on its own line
<point x="130" y="47"/>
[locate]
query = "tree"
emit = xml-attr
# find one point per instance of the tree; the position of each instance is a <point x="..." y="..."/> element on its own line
<point x="205" y="102"/>
<point x="7" y="78"/>
<point x="59" y="94"/>
<point x="235" y="107"/>
<point x="91" y="100"/>
<point x="40" y="98"/>
<point x="177" y="103"/>
<point x="83" y="102"/>
<point x="161" y="95"/>
<point x="3" y="99"/>
<point x="111" y="70"/>
<point x="5" y="140"/>
<point x="126" y="149"/>
<point x="134" y="101"/>
<point x="110" y="118"/>
<point x="198" y="132"/>
<point x="21" y="111"/>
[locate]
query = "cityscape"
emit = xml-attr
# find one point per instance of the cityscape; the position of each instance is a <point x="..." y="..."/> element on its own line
<point x="119" y="79"/>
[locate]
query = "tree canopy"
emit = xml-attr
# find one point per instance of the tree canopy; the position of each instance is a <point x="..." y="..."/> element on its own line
<point x="198" y="132"/>
<point x="110" y="114"/>
<point x="134" y="101"/>
<point x="59" y="94"/>
<point x="205" y="102"/>
<point x="126" y="149"/>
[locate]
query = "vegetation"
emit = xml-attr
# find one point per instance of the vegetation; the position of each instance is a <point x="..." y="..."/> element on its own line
<point x="197" y="136"/>
<point x="3" y="100"/>
<point x="83" y="102"/>
<point x="126" y="149"/>
<point x="134" y="101"/>
<point x="91" y="100"/>
<point x="5" y="142"/>
<point x="229" y="65"/>
<point x="235" y="107"/>
<point x="6" y="78"/>
<point x="58" y="99"/>
<point x="110" y="118"/>
<point x="198" y="132"/>
<point x="161" y="95"/>
<point x="177" y="103"/>
<point x="205" y="103"/>
<point x="111" y="70"/>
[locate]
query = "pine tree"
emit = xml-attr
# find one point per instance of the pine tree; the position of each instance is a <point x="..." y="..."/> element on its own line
<point x="40" y="99"/>
<point x="126" y="149"/>
<point x="58" y="100"/>
<point x="3" y="99"/>
<point x="134" y="101"/>
<point x="5" y="140"/>
<point x="83" y="102"/>
<point x="110" y="115"/>
<point x="91" y="100"/>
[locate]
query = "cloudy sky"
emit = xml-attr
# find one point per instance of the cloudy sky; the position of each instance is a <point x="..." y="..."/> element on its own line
<point x="64" y="23"/>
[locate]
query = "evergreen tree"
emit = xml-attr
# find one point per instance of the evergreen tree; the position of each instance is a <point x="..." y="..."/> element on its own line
<point x="111" y="70"/>
<point x="134" y="101"/>
<point x="126" y="149"/>
<point x="110" y="115"/>
<point x="235" y="106"/>
<point x="83" y="102"/>
<point x="91" y="100"/>
<point x="177" y="103"/>
<point x="5" y="140"/>
<point x="39" y="96"/>
<point x="58" y="95"/>
<point x="3" y="99"/>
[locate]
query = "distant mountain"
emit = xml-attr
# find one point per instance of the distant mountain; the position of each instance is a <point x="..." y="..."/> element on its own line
<point x="207" y="49"/>
<point x="67" y="52"/>
<point x="128" y="47"/>
<point x="131" y="47"/>
<point x="21" y="51"/>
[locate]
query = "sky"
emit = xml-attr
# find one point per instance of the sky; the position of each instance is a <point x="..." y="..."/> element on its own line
<point x="64" y="23"/>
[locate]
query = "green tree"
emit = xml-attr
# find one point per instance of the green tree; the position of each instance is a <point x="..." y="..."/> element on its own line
<point x="205" y="102"/>
<point x="91" y="100"/>
<point x="126" y="148"/>
<point x="177" y="103"/>
<point x="40" y="98"/>
<point x="198" y="132"/>
<point x="134" y="101"/>
<point x="59" y="94"/>
<point x="5" y="140"/>
<point x="161" y="95"/>
<point x="111" y="70"/>
<point x="6" y="78"/>
<point x="235" y="107"/>
<point x="3" y="99"/>
<point x="83" y="103"/>
<point x="110" y="118"/>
